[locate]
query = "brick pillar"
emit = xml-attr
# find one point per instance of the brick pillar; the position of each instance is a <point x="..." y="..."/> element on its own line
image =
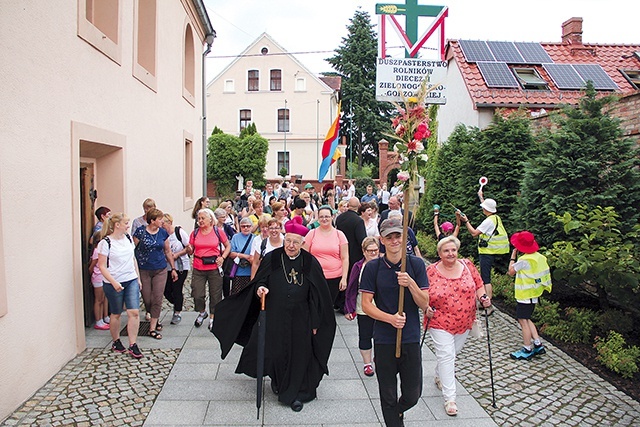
<point x="383" y="148"/>
<point x="572" y="31"/>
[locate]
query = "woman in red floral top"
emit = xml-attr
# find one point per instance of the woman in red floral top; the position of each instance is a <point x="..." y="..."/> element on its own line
<point x="454" y="286"/>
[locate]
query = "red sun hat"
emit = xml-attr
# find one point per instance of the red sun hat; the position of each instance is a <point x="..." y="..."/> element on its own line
<point x="525" y="242"/>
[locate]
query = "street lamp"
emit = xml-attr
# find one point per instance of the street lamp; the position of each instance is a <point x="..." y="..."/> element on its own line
<point x="285" y="125"/>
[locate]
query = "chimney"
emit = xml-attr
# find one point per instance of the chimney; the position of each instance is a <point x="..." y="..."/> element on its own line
<point x="572" y="31"/>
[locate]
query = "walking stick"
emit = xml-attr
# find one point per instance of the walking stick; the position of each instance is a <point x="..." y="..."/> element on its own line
<point x="424" y="334"/>
<point x="493" y="390"/>
<point x="403" y="267"/>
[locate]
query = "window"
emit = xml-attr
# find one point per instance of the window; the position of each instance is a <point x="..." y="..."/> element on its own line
<point x="103" y="14"/>
<point x="189" y="67"/>
<point x="301" y="84"/>
<point x="633" y="76"/>
<point x="99" y="25"/>
<point x="245" y="118"/>
<point x="253" y="84"/>
<point x="188" y="170"/>
<point x="530" y="79"/>
<point x="276" y="80"/>
<point x="283" y="161"/>
<point x="283" y="120"/>
<point x="229" y="86"/>
<point x="144" y="67"/>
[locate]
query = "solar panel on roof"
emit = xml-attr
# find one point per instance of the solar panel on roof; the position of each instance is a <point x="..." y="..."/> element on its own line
<point x="564" y="76"/>
<point x="597" y="75"/>
<point x="476" y="50"/>
<point x="506" y="52"/>
<point x="497" y="74"/>
<point x="533" y="53"/>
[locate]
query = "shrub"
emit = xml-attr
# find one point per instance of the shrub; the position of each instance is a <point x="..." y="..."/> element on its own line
<point x="361" y="186"/>
<point x="503" y="288"/>
<point x="613" y="354"/>
<point x="547" y="313"/>
<point x="427" y="245"/>
<point x="614" y="320"/>
<point x="576" y="328"/>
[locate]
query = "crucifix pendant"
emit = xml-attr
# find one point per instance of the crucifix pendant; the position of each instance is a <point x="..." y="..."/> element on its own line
<point x="294" y="276"/>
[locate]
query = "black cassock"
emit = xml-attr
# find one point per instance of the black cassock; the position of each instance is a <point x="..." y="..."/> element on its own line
<point x="295" y="358"/>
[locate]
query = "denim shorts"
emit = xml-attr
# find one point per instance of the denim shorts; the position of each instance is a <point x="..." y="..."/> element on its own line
<point x="129" y="296"/>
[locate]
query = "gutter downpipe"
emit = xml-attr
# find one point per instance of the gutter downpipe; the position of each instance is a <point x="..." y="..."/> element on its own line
<point x="209" y="37"/>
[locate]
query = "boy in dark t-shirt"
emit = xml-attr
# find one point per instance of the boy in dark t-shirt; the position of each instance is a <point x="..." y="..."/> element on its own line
<point x="380" y="282"/>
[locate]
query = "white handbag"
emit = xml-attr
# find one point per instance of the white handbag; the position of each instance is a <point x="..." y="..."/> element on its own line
<point x="476" y="329"/>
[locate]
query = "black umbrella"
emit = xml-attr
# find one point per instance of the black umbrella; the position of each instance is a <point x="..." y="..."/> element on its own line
<point x="262" y="330"/>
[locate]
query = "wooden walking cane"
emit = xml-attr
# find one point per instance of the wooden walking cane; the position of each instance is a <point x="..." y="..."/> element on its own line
<point x="403" y="265"/>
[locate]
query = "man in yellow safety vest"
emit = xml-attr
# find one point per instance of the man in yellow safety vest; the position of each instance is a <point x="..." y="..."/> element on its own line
<point x="492" y="241"/>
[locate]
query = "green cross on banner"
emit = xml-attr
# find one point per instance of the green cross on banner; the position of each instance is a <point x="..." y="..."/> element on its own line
<point x="412" y="10"/>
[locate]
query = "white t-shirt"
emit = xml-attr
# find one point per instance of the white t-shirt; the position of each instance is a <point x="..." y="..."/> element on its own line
<point x="257" y="244"/>
<point x="121" y="261"/>
<point x="372" y="227"/>
<point x="488" y="225"/>
<point x="183" y="263"/>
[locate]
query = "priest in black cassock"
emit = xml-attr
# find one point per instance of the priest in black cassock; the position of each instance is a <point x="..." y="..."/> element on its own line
<point x="300" y="321"/>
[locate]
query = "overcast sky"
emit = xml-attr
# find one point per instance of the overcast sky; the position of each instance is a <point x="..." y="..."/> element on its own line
<point x="305" y="27"/>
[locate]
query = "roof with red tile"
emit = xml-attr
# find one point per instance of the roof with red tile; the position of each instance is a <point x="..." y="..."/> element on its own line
<point x="334" y="82"/>
<point x="610" y="57"/>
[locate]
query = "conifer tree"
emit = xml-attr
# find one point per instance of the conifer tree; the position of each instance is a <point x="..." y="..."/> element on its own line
<point x="355" y="61"/>
<point x="584" y="160"/>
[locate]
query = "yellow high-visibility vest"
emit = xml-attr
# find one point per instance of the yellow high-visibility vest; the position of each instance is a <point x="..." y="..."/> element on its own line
<point x="532" y="282"/>
<point x="498" y="242"/>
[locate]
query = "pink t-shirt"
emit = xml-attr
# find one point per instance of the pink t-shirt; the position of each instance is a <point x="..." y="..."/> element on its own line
<point x="326" y="248"/>
<point x="96" y="274"/>
<point x="206" y="245"/>
<point x="453" y="299"/>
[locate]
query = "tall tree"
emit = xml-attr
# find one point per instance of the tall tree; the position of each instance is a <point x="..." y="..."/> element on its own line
<point x="355" y="60"/>
<point x="584" y="160"/>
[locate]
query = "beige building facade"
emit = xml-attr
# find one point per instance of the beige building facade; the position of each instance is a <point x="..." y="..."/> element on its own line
<point x="102" y="105"/>
<point x="290" y="106"/>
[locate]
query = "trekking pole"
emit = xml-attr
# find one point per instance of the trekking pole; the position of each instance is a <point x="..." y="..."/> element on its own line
<point x="493" y="390"/>
<point x="426" y="326"/>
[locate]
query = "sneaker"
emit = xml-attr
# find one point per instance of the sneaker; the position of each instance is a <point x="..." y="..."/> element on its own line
<point x="200" y="319"/>
<point x="147" y="316"/>
<point x="368" y="370"/>
<point x="438" y="382"/>
<point x="107" y="320"/>
<point x="135" y="351"/>
<point x="101" y="326"/>
<point x="118" y="347"/>
<point x="176" y="319"/>
<point x="538" y="349"/>
<point x="522" y="354"/>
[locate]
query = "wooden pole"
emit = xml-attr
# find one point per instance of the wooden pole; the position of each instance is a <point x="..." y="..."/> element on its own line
<point x="403" y="266"/>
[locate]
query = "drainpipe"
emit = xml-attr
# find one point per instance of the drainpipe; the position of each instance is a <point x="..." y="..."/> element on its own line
<point x="210" y="36"/>
<point x="209" y="40"/>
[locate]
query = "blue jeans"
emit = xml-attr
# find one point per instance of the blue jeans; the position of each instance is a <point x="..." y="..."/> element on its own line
<point x="129" y="296"/>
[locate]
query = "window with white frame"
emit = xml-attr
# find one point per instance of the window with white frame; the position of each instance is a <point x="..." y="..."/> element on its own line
<point x="301" y="84"/>
<point x="229" y="85"/>
<point x="283" y="120"/>
<point x="276" y="80"/>
<point x="253" y="80"/>
<point x="283" y="161"/>
<point x="245" y="118"/>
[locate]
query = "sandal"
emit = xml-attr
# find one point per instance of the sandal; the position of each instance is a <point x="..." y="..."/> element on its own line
<point x="155" y="334"/>
<point x="159" y="326"/>
<point x="450" y="408"/>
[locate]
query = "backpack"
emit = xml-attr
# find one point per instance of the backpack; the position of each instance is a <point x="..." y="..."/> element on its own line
<point x="179" y="236"/>
<point x="109" y="244"/>
<point x="263" y="247"/>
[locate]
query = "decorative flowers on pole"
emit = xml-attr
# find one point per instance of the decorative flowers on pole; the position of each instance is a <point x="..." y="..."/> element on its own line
<point x="410" y="129"/>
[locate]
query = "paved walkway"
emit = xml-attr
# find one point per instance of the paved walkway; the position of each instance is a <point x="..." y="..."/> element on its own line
<point x="183" y="382"/>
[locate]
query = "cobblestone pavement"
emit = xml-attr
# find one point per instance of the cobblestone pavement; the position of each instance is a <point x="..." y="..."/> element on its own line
<point x="551" y="389"/>
<point x="97" y="387"/>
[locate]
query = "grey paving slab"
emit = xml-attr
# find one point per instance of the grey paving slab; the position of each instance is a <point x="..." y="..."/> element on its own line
<point x="182" y="381"/>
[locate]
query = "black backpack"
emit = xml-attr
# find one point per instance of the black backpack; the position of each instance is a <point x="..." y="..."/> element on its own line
<point x="109" y="243"/>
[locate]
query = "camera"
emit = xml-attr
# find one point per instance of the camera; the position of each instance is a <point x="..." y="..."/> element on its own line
<point x="483" y="243"/>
